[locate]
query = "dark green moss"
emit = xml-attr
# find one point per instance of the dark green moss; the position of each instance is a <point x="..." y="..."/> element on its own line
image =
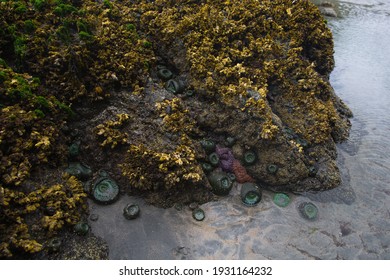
<point x="63" y="10"/>
<point x="107" y="4"/>
<point x="39" y="113"/>
<point x="85" y="36"/>
<point x="20" y="46"/>
<point x="130" y="26"/>
<point x="29" y="26"/>
<point x="39" y="4"/>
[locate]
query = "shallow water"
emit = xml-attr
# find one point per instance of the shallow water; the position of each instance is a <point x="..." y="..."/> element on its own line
<point x="353" y="220"/>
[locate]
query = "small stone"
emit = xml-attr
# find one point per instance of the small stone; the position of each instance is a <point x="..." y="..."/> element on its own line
<point x="94" y="217"/>
<point x="178" y="206"/>
<point x="193" y="205"/>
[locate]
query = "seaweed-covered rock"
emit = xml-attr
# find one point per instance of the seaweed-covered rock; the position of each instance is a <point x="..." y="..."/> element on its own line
<point x="259" y="71"/>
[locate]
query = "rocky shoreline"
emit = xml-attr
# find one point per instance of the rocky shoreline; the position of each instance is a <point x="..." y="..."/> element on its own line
<point x="134" y="89"/>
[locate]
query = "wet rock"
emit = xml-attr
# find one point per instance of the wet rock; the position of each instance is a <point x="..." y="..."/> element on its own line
<point x="94" y="217"/>
<point x="327" y="9"/>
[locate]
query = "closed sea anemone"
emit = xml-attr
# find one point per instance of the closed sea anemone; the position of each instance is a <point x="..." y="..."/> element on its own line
<point x="131" y="211"/>
<point x="308" y="211"/>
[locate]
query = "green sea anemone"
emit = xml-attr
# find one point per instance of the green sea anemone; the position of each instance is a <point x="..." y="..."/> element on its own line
<point x="231" y="176"/>
<point x="250" y="157"/>
<point x="193" y="205"/>
<point x="214" y="159"/>
<point x="230" y="141"/>
<point x="220" y="183"/>
<point x="208" y="145"/>
<point x="178" y="206"/>
<point x="79" y="170"/>
<point x="131" y="211"/>
<point x="175" y="86"/>
<point x="198" y="214"/>
<point x="308" y="211"/>
<point x="207" y="167"/>
<point x="105" y="190"/>
<point x="281" y="199"/>
<point x="164" y="74"/>
<point x="54" y="245"/>
<point x="81" y="228"/>
<point x="250" y="194"/>
<point x="74" y="149"/>
<point x="272" y="168"/>
<point x="189" y="93"/>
